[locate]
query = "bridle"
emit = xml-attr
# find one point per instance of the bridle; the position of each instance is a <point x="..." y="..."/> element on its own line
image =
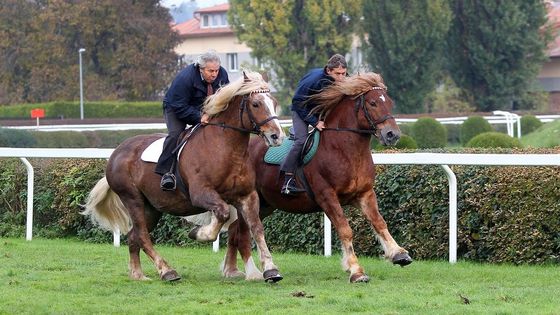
<point x="360" y="104"/>
<point x="243" y="107"/>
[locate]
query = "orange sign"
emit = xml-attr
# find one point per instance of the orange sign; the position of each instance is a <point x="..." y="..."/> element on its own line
<point x="38" y="113"/>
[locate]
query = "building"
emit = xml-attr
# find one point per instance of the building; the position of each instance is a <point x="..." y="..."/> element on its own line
<point x="209" y="29"/>
<point x="549" y="76"/>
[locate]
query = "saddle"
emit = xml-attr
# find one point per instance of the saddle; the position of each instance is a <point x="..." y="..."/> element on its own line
<point x="276" y="155"/>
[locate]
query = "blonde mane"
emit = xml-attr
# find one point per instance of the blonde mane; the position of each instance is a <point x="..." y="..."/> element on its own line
<point x="355" y="85"/>
<point x="219" y="101"/>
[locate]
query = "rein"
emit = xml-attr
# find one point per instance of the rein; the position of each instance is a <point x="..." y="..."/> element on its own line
<point x="360" y="104"/>
<point x="256" y="126"/>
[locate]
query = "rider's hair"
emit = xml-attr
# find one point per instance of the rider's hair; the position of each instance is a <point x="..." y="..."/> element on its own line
<point x="336" y="61"/>
<point x="209" y="56"/>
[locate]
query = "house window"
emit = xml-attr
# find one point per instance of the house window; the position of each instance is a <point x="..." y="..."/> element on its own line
<point x="205" y="20"/>
<point x="232" y="62"/>
<point x="214" y="20"/>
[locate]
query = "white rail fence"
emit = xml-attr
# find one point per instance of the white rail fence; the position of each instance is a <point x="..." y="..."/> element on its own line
<point x="442" y="159"/>
<point x="501" y="117"/>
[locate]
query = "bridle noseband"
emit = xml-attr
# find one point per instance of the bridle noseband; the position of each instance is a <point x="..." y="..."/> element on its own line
<point x="243" y="107"/>
<point x="360" y="104"/>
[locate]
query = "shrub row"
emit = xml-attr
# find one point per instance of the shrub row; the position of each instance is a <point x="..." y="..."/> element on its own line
<point x="505" y="214"/>
<point x="67" y="139"/>
<point x="67" y="109"/>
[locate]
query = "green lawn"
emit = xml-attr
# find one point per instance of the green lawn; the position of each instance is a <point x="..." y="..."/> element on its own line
<point x="71" y="277"/>
<point x="547" y="136"/>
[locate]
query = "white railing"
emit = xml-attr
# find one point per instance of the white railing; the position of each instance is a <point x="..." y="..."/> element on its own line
<point x="509" y="120"/>
<point x="442" y="159"/>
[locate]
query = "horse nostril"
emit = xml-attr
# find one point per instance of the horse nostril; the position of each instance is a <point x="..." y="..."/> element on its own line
<point x="390" y="135"/>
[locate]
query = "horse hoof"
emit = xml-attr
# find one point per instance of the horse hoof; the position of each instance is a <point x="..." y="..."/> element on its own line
<point x="359" y="278"/>
<point x="402" y="259"/>
<point x="194" y="232"/>
<point x="171" y="275"/>
<point x="272" y="276"/>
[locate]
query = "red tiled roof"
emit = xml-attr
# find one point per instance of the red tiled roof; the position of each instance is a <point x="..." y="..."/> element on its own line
<point x="217" y="8"/>
<point x="554" y="17"/>
<point x="191" y="28"/>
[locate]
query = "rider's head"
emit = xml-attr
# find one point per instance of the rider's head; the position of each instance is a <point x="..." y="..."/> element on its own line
<point x="336" y="67"/>
<point x="209" y="64"/>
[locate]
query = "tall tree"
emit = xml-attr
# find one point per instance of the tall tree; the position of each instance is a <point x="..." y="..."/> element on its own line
<point x="293" y="36"/>
<point x="129" y="49"/>
<point x="404" y="41"/>
<point x="496" y="49"/>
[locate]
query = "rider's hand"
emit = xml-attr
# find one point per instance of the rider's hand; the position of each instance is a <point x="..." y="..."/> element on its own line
<point x="320" y="125"/>
<point x="204" y="119"/>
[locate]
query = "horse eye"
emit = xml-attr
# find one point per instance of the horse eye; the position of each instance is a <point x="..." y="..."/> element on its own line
<point x="372" y="103"/>
<point x="255" y="104"/>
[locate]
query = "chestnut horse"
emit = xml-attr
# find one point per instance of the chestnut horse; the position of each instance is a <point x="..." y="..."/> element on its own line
<point x="215" y="168"/>
<point x="341" y="172"/>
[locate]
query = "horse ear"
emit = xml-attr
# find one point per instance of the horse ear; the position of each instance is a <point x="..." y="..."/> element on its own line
<point x="245" y="77"/>
<point x="264" y="75"/>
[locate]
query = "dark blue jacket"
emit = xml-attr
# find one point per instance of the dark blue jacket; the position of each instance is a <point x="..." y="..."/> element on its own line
<point x="188" y="91"/>
<point x="314" y="81"/>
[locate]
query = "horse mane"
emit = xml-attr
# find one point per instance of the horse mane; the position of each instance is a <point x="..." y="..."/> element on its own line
<point x="354" y="85"/>
<point x="219" y="101"/>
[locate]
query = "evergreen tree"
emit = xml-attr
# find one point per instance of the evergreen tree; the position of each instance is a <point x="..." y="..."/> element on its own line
<point x="496" y="49"/>
<point x="293" y="36"/>
<point x="403" y="43"/>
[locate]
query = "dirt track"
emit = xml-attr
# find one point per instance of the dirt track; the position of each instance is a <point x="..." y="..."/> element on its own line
<point x="49" y="122"/>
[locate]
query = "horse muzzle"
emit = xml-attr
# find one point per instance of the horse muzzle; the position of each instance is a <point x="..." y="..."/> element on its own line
<point x="389" y="136"/>
<point x="273" y="139"/>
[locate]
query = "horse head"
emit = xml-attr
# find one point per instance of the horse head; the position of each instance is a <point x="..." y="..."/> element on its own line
<point x="250" y="95"/>
<point x="376" y="107"/>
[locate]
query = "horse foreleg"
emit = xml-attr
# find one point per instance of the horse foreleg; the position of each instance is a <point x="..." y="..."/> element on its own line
<point x="393" y="252"/>
<point x="330" y="204"/>
<point x="250" y="211"/>
<point x="239" y="238"/>
<point x="220" y="210"/>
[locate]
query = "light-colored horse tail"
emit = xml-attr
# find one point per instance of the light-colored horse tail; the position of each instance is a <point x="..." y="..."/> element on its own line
<point x="205" y="218"/>
<point x="106" y="209"/>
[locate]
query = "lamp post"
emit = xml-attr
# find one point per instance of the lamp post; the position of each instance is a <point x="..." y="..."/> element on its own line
<point x="80" y="51"/>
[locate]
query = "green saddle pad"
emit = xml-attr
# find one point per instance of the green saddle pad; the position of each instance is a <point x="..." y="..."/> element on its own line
<point x="276" y="155"/>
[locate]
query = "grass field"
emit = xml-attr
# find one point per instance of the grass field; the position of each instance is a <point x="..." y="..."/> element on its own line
<point x="547" y="136"/>
<point x="71" y="277"/>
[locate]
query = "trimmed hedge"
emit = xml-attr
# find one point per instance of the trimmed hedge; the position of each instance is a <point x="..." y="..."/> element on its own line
<point x="494" y="140"/>
<point x="429" y="133"/>
<point x="67" y="109"/>
<point x="472" y="127"/>
<point x="505" y="214"/>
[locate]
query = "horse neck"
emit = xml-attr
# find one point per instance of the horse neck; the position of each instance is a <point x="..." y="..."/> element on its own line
<point x="231" y="140"/>
<point x="343" y="115"/>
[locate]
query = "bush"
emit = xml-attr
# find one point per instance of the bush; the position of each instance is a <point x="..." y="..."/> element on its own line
<point x="529" y="123"/>
<point x="473" y="126"/>
<point x="60" y="139"/>
<point x="16" y="138"/>
<point x="494" y="140"/>
<point x="429" y="133"/>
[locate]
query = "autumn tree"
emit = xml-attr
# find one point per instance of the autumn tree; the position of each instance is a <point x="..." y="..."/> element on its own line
<point x="404" y="43"/>
<point x="293" y="36"/>
<point x="496" y="49"/>
<point x="129" y="49"/>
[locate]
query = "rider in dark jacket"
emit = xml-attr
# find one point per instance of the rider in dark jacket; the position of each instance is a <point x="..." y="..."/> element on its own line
<point x="182" y="106"/>
<point x="313" y="82"/>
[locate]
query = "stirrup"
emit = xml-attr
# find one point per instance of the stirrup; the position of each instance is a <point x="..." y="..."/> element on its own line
<point x="168" y="182"/>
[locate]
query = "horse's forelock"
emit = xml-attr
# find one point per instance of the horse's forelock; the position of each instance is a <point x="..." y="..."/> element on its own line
<point x="352" y="86"/>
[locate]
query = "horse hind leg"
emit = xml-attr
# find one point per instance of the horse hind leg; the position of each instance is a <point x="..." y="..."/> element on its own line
<point x="393" y="252"/>
<point x="144" y="219"/>
<point x="239" y="238"/>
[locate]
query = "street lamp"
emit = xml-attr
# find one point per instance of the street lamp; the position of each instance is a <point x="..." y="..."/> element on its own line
<point x="81" y="85"/>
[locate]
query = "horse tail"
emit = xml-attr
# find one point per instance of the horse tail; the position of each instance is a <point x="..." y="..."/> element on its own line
<point x="204" y="218"/>
<point x="106" y="209"/>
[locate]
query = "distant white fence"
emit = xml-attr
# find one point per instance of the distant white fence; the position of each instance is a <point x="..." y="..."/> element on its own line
<point x="503" y="118"/>
<point x="442" y="159"/>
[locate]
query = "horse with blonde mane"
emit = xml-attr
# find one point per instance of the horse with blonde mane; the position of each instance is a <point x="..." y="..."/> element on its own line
<point x="215" y="169"/>
<point x="341" y="172"/>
